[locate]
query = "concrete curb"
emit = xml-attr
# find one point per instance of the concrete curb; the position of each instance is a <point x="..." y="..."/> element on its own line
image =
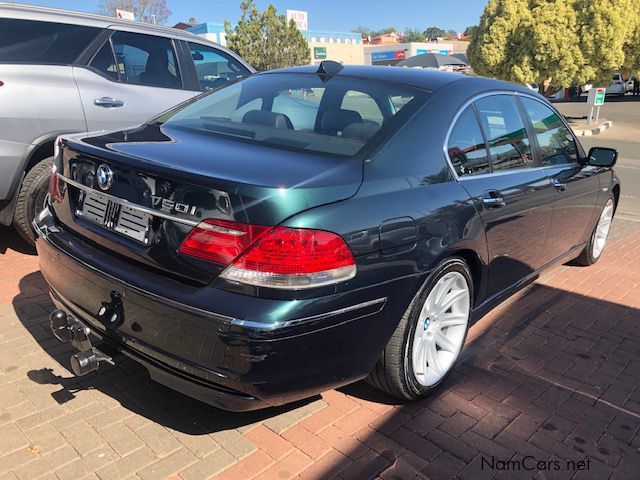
<point x="594" y="131"/>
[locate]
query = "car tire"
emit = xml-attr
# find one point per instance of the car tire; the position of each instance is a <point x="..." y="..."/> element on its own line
<point x="31" y="199"/>
<point x="396" y="372"/>
<point x="598" y="239"/>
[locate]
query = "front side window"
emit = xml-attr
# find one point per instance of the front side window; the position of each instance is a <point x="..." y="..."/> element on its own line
<point x="556" y="142"/>
<point x="42" y="43"/>
<point x="213" y="67"/>
<point x="294" y="111"/>
<point x="466" y="147"/>
<point x="146" y="60"/>
<point x="504" y="127"/>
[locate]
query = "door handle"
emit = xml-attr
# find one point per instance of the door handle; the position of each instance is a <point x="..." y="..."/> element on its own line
<point x="559" y="185"/>
<point x="108" y="102"/>
<point x="493" y="199"/>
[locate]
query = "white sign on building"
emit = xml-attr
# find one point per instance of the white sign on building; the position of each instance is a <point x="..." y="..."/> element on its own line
<point x="301" y="18"/>
<point x="124" y="15"/>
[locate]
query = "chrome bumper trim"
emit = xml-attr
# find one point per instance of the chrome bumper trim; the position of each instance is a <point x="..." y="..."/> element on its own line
<point x="292" y="323"/>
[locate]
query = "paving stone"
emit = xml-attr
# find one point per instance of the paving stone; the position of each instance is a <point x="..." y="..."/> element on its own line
<point x="169" y="465"/>
<point x="127" y="465"/>
<point x="209" y="466"/>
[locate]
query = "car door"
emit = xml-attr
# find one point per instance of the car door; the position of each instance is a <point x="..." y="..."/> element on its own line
<point x="576" y="185"/>
<point x="491" y="153"/>
<point x="131" y="78"/>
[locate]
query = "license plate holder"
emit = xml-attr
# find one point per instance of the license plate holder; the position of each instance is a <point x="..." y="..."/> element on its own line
<point x="122" y="219"/>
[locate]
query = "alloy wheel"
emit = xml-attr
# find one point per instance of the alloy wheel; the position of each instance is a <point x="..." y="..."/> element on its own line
<point x="440" y="330"/>
<point x="602" y="229"/>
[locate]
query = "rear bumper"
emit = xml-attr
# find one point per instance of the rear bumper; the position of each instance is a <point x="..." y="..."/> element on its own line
<point x="11" y="156"/>
<point x="230" y="350"/>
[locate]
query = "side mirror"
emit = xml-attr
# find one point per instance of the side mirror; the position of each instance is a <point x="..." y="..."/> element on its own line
<point x="602" y="157"/>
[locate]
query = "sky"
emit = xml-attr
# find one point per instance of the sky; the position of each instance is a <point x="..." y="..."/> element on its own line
<point x="336" y="15"/>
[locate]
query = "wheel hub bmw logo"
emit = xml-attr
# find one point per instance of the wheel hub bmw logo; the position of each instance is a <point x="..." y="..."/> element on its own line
<point x="104" y="176"/>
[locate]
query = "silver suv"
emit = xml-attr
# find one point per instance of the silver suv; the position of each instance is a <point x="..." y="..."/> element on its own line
<point x="68" y="72"/>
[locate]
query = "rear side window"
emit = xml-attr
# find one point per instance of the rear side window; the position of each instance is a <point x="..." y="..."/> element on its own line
<point x="142" y="60"/>
<point x="105" y="62"/>
<point x="509" y="145"/>
<point x="556" y="142"/>
<point x="215" y="68"/>
<point x="364" y="105"/>
<point x="301" y="106"/>
<point x="42" y="43"/>
<point x="466" y="147"/>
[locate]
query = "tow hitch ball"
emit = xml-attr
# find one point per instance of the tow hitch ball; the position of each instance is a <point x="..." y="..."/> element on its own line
<point x="68" y="329"/>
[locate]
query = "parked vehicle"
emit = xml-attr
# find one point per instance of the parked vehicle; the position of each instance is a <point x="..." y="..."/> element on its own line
<point x="533" y="86"/>
<point x="618" y="87"/>
<point x="628" y="85"/>
<point x="259" y="245"/>
<point x="67" y="72"/>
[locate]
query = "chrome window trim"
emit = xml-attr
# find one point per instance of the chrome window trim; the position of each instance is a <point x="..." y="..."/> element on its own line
<point x="291" y="323"/>
<point x="127" y="203"/>
<point x="466" y="105"/>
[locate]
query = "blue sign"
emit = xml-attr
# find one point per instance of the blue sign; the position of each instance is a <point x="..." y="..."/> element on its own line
<point x="422" y="51"/>
<point x="378" y="56"/>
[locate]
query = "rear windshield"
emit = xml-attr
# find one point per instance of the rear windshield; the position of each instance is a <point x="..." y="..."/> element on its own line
<point x="329" y="115"/>
<point x="44" y="43"/>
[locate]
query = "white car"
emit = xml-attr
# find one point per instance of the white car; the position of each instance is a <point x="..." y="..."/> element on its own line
<point x="618" y="87"/>
<point x="533" y="86"/>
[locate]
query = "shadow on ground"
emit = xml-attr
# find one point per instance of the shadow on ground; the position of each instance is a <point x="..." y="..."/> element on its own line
<point x="128" y="382"/>
<point x="553" y="377"/>
<point x="10" y="240"/>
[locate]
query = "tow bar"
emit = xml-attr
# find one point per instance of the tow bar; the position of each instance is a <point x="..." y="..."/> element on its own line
<point x="68" y="329"/>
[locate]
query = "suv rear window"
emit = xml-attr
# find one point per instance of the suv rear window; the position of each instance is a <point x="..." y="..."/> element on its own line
<point x="44" y="43"/>
<point x="298" y="111"/>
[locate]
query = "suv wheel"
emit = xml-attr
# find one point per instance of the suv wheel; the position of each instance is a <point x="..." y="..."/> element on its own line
<point x="31" y="198"/>
<point x="427" y="342"/>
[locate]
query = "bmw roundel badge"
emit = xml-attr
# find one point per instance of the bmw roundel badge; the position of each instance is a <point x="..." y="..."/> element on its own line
<point x="104" y="176"/>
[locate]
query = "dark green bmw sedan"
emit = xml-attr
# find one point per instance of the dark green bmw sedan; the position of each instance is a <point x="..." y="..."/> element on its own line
<point x="302" y="229"/>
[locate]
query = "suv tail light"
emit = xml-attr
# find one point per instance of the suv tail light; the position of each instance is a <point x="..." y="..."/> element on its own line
<point x="54" y="183"/>
<point x="274" y="257"/>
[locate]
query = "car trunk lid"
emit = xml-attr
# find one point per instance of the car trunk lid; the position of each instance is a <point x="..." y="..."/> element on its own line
<point x="162" y="182"/>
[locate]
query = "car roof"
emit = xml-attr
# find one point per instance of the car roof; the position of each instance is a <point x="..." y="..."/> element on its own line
<point x="427" y="79"/>
<point x="46" y="14"/>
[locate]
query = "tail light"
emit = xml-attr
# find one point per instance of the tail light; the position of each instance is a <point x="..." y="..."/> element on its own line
<point x="54" y="182"/>
<point x="274" y="257"/>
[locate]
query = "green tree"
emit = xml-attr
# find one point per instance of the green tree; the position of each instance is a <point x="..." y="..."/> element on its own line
<point x="363" y="31"/>
<point x="434" y="32"/>
<point x="384" y="31"/>
<point x="500" y="47"/>
<point x="605" y="27"/>
<point x="413" y="35"/>
<point x="632" y="47"/>
<point x="266" y="40"/>
<point x="556" y="43"/>
<point x="470" y="31"/>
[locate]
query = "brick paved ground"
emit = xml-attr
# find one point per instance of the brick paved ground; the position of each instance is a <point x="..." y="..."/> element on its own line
<point x="554" y="375"/>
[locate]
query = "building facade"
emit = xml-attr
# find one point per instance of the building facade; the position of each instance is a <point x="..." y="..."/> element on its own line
<point x="393" y="53"/>
<point x="343" y="47"/>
